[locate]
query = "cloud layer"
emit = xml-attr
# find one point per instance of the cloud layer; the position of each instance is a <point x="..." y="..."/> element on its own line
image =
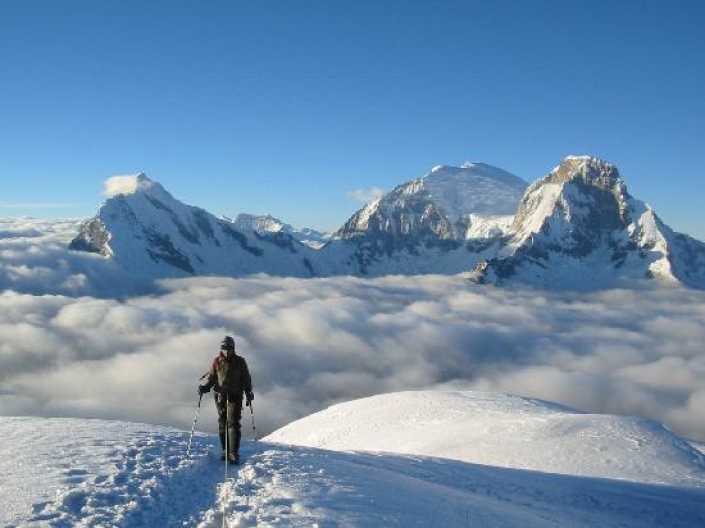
<point x="312" y="343"/>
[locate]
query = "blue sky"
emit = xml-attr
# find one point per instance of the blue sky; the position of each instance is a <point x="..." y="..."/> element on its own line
<point x="287" y="106"/>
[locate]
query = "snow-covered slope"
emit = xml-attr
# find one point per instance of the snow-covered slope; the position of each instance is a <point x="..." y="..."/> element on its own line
<point x="149" y="232"/>
<point x="420" y="470"/>
<point x="501" y="430"/>
<point x="579" y="228"/>
<point x="69" y="472"/>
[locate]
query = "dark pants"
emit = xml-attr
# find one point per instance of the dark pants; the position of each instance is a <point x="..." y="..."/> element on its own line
<point x="229" y="415"/>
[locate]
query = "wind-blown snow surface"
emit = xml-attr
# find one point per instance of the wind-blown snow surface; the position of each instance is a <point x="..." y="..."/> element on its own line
<point x="419" y="468"/>
<point x="69" y="472"/>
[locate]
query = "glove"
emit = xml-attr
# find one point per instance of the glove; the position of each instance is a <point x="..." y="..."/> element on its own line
<point x="202" y="389"/>
<point x="249" y="396"/>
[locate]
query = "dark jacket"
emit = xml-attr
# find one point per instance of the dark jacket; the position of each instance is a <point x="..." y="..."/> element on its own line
<point x="230" y="376"/>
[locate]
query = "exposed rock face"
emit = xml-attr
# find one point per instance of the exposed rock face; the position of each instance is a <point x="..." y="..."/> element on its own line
<point x="92" y="237"/>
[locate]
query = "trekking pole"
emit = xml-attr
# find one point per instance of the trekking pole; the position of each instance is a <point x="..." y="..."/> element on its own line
<point x="227" y="451"/>
<point x="193" y="427"/>
<point x="252" y="412"/>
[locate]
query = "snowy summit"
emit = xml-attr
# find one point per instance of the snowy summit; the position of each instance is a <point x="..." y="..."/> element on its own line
<point x="439" y="203"/>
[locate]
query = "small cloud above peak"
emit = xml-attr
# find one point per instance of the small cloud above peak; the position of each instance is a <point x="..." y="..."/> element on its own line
<point x="367" y="195"/>
<point x="126" y="184"/>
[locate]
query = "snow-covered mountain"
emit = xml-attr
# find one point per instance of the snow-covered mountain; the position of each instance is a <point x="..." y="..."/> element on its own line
<point x="438" y="205"/>
<point x="449" y="459"/>
<point x="266" y="224"/>
<point x="578" y="227"/>
<point x="443" y="205"/>
<point x="147" y="231"/>
<point x="150" y="233"/>
<point x="436" y="223"/>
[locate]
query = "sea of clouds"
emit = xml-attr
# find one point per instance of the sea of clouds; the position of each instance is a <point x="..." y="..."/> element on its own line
<point x="80" y="338"/>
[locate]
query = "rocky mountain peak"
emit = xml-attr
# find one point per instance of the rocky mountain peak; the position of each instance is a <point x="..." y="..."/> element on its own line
<point x="590" y="171"/>
<point x="582" y="190"/>
<point x="579" y="226"/>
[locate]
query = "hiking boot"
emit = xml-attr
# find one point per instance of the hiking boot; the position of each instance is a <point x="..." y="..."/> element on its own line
<point x="222" y="455"/>
<point x="234" y="458"/>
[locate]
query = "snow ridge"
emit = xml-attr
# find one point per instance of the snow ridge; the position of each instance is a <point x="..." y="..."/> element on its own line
<point x="390" y="460"/>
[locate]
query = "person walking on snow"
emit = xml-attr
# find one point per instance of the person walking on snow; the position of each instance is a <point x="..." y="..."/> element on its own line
<point x="229" y="378"/>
